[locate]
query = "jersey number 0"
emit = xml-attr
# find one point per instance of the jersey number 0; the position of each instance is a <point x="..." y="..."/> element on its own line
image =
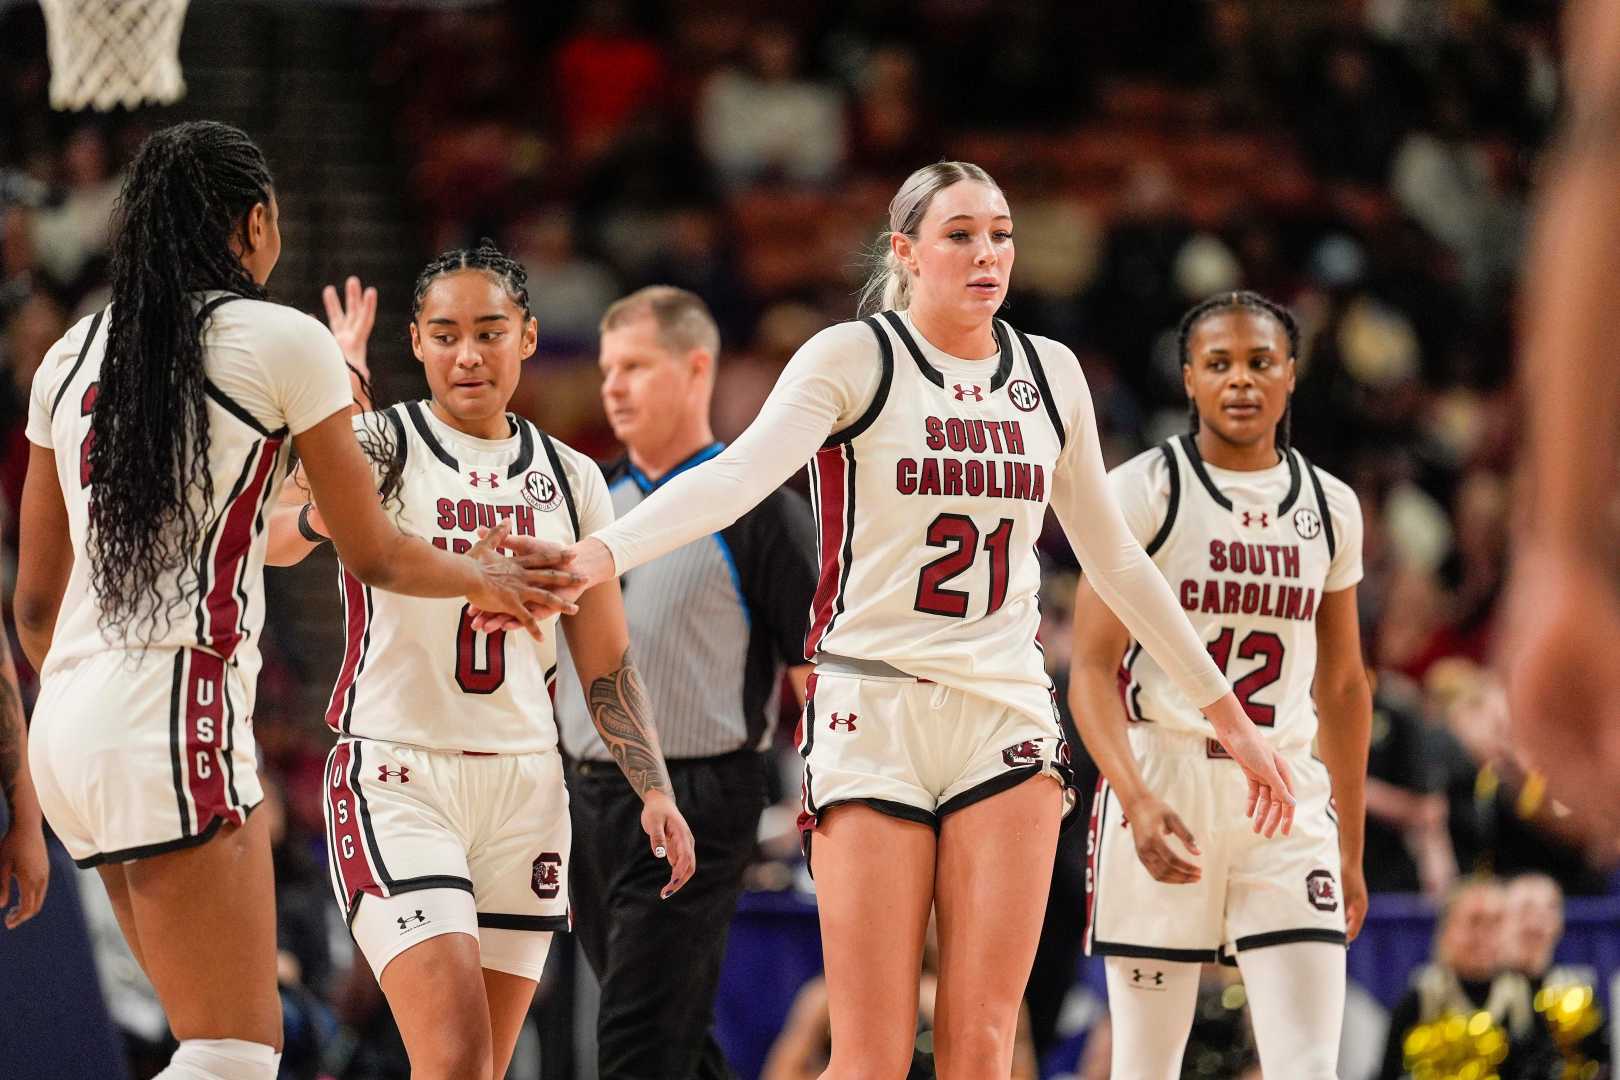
<point x="471" y="676"/>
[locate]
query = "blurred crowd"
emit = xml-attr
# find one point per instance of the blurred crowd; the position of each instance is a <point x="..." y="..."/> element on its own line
<point x="1366" y="163"/>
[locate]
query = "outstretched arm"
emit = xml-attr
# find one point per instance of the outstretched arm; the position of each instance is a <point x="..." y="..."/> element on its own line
<point x="827" y="383"/>
<point x="599" y="642"/>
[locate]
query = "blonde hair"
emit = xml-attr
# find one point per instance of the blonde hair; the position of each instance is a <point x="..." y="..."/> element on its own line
<point x="888" y="287"/>
<point x="682" y="318"/>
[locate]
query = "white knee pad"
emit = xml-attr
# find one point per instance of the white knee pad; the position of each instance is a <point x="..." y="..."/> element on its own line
<point x="222" y="1059"/>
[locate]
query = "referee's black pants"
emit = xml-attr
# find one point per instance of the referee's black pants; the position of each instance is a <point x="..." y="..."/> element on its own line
<point x="658" y="961"/>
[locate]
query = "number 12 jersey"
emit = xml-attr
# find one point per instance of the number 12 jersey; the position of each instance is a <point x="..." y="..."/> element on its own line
<point x="1249" y="556"/>
<point x="414" y="670"/>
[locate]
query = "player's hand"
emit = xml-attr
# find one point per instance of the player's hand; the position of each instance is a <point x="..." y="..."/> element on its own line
<point x="1271" y="793"/>
<point x="1271" y="788"/>
<point x="1152" y="824"/>
<point x="1563" y="618"/>
<point x="22" y="855"/>
<point x="351" y="320"/>
<point x="1353" y="884"/>
<point x="550" y="562"/>
<point x="509" y="587"/>
<point x="670" y="838"/>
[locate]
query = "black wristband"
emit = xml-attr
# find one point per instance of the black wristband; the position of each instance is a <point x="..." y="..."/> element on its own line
<point x="306" y="530"/>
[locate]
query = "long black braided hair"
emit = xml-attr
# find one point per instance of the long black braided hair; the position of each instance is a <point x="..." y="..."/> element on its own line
<point x="377" y="435"/>
<point x="187" y="195"/>
<point x="1252" y="301"/>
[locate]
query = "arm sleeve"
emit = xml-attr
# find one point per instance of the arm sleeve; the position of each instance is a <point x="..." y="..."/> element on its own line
<point x="779" y="570"/>
<point x="308" y="379"/>
<point x="591" y="489"/>
<point x="822" y="389"/>
<point x="1345" y="569"/>
<point x="1113" y="559"/>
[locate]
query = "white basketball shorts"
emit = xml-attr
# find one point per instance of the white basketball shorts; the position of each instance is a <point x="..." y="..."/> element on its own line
<point x="138" y="754"/>
<point x="915" y="749"/>
<point x="405" y="824"/>
<point x="1255" y="891"/>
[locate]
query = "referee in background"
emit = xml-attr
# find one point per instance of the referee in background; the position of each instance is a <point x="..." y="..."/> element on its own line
<point x="712" y="627"/>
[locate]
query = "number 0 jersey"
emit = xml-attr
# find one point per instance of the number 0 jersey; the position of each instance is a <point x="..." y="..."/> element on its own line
<point x="1248" y="555"/>
<point x="414" y="670"/>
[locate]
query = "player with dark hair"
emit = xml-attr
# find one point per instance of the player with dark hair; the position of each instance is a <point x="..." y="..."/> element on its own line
<point x="161" y="428"/>
<point x="1263" y="551"/>
<point x="447" y="819"/>
<point x="936" y="772"/>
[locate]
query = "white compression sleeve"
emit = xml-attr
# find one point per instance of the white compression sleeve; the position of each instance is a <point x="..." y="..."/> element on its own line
<point x="1296" y="1000"/>
<point x="1150" y="1012"/>
<point x="828" y="381"/>
<point x="1117" y="567"/>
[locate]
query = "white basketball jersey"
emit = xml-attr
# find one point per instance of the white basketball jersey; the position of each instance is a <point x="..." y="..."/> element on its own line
<point x="272" y="372"/>
<point x="1249" y="555"/>
<point x="929" y="507"/>
<point x="414" y="670"/>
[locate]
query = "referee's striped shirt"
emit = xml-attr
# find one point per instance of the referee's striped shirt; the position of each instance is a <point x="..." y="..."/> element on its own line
<point x="712" y="625"/>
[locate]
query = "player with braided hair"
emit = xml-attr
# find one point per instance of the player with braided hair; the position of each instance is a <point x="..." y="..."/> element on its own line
<point x="1263" y="551"/>
<point x="447" y="819"/>
<point x="161" y="428"/>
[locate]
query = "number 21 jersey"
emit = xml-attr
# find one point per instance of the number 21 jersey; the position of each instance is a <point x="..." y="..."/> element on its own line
<point x="414" y="670"/>
<point x="929" y="506"/>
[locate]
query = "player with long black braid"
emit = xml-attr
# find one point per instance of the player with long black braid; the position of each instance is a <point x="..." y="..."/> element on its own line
<point x="182" y="222"/>
<point x="160" y="431"/>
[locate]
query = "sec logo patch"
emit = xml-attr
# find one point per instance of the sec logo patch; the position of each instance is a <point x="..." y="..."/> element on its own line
<point x="1023" y="394"/>
<point x="541" y="491"/>
<point x="1308" y="523"/>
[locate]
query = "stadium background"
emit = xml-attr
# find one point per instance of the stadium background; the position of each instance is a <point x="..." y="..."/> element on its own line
<point x="1367" y="163"/>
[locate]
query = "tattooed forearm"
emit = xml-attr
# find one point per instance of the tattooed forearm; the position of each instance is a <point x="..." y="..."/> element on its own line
<point x="618" y="704"/>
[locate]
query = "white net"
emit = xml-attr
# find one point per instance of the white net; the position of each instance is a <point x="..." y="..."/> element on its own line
<point x="107" y="53"/>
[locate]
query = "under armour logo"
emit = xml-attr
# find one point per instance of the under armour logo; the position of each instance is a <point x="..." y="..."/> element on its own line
<point x="965" y="392"/>
<point x="1140" y="976"/>
<point x="847" y="721"/>
<point x="403" y="774"/>
<point x="474" y="477"/>
<point x="1264" y="518"/>
<point x="406" y="922"/>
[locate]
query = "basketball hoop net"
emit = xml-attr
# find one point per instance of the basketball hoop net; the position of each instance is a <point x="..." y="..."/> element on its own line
<point x="107" y="53"/>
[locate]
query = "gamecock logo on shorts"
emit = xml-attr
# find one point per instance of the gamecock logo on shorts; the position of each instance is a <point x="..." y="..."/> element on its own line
<point x="1321" y="890"/>
<point x="546" y="880"/>
<point x="1022" y="393"/>
<point x="1027" y="752"/>
<point x="541" y="491"/>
